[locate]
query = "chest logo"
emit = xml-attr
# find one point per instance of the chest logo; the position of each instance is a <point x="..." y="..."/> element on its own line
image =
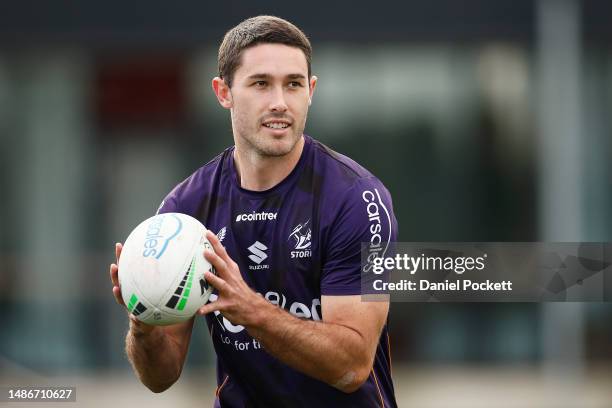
<point x="221" y="234"/>
<point x="301" y="236"/>
<point x="257" y="252"/>
<point x="256" y="216"/>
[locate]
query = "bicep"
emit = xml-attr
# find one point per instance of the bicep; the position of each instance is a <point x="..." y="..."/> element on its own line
<point x="366" y="318"/>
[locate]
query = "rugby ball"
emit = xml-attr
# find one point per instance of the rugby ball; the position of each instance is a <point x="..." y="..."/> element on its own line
<point x="161" y="269"/>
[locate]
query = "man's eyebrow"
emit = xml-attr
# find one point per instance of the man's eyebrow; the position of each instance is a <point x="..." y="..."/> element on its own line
<point x="296" y="76"/>
<point x="268" y="76"/>
<point x="258" y="76"/>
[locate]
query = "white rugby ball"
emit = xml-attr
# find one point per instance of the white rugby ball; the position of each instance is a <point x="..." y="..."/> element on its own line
<point x="161" y="269"/>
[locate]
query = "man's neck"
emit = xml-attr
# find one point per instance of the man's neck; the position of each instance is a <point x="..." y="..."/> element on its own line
<point x="260" y="173"/>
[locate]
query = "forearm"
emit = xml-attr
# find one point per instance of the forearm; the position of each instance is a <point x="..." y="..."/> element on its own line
<point x="332" y="353"/>
<point x="154" y="357"/>
<point x="338" y="351"/>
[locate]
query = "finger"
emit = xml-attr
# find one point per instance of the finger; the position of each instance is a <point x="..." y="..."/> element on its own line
<point x="118" y="249"/>
<point x="218" y="247"/>
<point x="209" y="308"/>
<point x="117" y="294"/>
<point x="217" y="282"/>
<point x="220" y="265"/>
<point x="114" y="274"/>
<point x="211" y="237"/>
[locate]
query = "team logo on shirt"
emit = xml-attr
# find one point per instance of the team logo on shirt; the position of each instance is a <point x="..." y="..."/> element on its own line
<point x="221" y="234"/>
<point x="258" y="255"/>
<point x="301" y="235"/>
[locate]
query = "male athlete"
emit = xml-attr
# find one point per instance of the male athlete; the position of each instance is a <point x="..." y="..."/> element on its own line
<point x="287" y="320"/>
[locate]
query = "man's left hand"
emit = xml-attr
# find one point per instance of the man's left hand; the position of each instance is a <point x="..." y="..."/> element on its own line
<point x="236" y="298"/>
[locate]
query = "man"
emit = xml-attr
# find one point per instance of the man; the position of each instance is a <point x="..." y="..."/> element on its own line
<point x="287" y="320"/>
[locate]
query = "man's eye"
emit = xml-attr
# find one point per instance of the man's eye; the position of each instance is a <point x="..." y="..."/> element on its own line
<point x="260" y="83"/>
<point x="294" y="84"/>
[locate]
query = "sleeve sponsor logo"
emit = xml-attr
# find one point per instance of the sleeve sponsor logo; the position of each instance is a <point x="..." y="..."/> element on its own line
<point x="378" y="214"/>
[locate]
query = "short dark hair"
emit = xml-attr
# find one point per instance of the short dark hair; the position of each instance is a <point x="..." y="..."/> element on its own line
<point x="258" y="30"/>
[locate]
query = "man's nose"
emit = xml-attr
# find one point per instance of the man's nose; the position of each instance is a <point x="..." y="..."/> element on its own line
<point x="278" y="103"/>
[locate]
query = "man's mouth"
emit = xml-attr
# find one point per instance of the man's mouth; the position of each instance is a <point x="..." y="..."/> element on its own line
<point x="276" y="124"/>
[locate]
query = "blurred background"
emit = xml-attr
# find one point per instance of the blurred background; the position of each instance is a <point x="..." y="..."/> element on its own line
<point x="487" y="121"/>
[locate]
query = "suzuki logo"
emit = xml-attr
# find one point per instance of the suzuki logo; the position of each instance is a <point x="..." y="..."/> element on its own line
<point x="258" y="254"/>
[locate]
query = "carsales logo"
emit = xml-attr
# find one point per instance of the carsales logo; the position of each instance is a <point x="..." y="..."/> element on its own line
<point x="377" y="214"/>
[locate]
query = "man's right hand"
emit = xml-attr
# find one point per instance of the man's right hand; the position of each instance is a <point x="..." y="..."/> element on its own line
<point x="136" y="325"/>
<point x="157" y="353"/>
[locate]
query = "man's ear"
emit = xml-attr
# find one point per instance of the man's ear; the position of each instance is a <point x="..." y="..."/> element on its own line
<point x="313" y="85"/>
<point x="223" y="93"/>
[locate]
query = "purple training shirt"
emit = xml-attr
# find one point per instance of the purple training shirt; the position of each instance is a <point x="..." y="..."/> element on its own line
<point x="293" y="243"/>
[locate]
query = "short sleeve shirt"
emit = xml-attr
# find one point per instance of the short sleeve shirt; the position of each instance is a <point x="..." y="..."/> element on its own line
<point x="293" y="243"/>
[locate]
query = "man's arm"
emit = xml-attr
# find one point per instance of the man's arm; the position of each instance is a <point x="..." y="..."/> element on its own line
<point x="157" y="353"/>
<point x="339" y="350"/>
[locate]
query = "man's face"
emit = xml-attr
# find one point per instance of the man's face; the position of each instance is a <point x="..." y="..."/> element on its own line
<point x="269" y="99"/>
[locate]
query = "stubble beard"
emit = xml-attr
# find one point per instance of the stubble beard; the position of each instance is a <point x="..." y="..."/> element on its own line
<point x="265" y="146"/>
